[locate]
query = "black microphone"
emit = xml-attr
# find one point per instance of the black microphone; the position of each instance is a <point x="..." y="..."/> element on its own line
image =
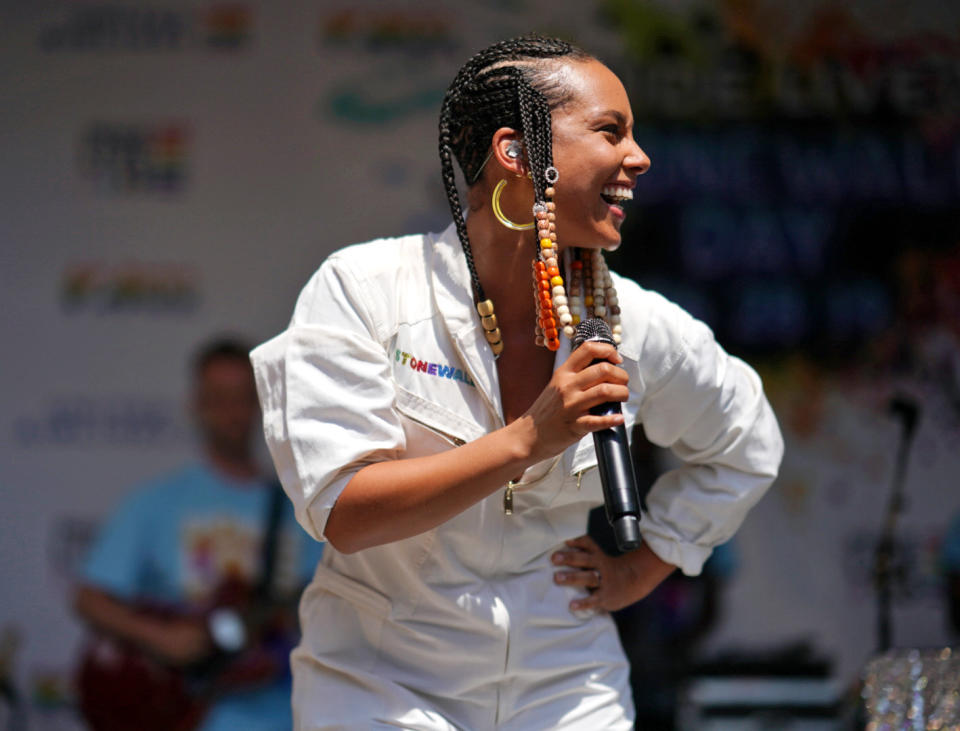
<point x="620" y="495"/>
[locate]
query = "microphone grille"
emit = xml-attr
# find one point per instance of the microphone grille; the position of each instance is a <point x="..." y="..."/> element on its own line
<point x="593" y="328"/>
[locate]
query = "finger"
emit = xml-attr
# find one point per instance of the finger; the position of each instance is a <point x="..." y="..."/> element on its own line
<point x="590" y="423"/>
<point x="580" y="402"/>
<point x="584" y="543"/>
<point x="601" y="372"/>
<point x="589" y="579"/>
<point x="598" y="384"/>
<point x="588" y="602"/>
<point x="591" y="382"/>
<point x="575" y="559"/>
<point x="590" y="351"/>
<point x="602" y="393"/>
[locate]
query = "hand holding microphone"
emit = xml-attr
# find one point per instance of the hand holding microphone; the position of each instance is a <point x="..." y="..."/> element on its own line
<point x="620" y="494"/>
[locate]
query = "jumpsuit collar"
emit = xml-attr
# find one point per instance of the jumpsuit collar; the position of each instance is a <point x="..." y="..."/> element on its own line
<point x="453" y="293"/>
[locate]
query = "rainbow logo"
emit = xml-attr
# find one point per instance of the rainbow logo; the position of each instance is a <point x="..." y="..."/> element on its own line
<point x="440" y="370"/>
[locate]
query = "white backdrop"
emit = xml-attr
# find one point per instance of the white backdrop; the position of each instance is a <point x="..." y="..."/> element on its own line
<point x="179" y="171"/>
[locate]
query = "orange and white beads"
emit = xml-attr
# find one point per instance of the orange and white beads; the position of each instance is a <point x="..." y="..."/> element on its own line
<point x="600" y="296"/>
<point x="575" y="267"/>
<point x="553" y="310"/>
<point x="592" y="293"/>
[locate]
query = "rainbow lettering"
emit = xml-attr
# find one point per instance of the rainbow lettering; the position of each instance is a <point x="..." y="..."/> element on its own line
<point x="433" y="369"/>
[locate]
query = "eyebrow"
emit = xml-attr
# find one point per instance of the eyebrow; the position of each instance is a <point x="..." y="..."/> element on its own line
<point x="616" y="114"/>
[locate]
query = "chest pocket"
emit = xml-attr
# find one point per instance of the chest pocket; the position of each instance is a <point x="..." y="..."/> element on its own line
<point x="431" y="428"/>
<point x="573" y="479"/>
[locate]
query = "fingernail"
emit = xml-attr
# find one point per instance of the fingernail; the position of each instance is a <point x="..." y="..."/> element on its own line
<point x="575" y="606"/>
<point x="560" y="577"/>
<point x="557" y="557"/>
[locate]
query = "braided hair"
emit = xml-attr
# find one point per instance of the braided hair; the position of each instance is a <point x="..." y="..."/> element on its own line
<point x="509" y="84"/>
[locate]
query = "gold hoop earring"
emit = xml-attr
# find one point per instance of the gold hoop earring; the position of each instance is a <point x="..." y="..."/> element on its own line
<point x="499" y="213"/>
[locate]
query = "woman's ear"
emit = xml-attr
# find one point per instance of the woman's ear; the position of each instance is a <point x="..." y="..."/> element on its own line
<point x="508" y="151"/>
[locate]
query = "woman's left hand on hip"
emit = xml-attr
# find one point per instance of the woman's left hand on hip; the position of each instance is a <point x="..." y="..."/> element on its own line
<point x="612" y="582"/>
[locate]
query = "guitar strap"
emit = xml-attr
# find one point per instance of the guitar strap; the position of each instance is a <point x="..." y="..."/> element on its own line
<point x="271" y="533"/>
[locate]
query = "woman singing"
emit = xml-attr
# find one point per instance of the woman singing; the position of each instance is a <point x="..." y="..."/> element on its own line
<point x="430" y="420"/>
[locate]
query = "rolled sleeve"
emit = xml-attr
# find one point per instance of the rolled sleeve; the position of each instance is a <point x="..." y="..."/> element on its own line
<point x="709" y="409"/>
<point x="327" y="396"/>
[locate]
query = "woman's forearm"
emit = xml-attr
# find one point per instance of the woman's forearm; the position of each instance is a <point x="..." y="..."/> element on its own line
<point x="391" y="500"/>
<point x="397" y="499"/>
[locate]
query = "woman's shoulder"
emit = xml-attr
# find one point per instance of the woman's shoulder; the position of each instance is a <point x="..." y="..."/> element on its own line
<point x="633" y="293"/>
<point x="364" y="263"/>
<point x="364" y="278"/>
<point x="653" y="324"/>
<point x="371" y="258"/>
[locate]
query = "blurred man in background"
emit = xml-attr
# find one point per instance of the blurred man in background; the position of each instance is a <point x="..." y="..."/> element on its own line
<point x="191" y="585"/>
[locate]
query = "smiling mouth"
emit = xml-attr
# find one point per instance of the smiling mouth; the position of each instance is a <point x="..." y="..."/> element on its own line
<point x="616" y="194"/>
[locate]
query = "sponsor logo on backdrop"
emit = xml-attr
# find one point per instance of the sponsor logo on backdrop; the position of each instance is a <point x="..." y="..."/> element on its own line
<point x="404" y="45"/>
<point x="102" y="421"/>
<point x="138" y="287"/>
<point x="382" y="101"/>
<point x="389" y="30"/>
<point x="739" y="60"/>
<point x="149" y="158"/>
<point x="109" y="27"/>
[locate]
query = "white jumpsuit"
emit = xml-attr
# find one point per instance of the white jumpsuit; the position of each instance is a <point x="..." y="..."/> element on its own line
<point x="463" y="627"/>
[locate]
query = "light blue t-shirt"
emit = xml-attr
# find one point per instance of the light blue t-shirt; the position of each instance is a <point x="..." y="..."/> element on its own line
<point x="175" y="540"/>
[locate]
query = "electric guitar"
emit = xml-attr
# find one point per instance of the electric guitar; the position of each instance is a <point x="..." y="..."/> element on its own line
<point x="122" y="686"/>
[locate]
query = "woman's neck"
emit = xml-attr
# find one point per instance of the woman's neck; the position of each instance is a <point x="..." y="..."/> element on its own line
<point x="503" y="259"/>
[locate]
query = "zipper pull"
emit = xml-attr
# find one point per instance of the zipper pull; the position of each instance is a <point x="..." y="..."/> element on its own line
<point x="508" y="499"/>
<point x="579" y="477"/>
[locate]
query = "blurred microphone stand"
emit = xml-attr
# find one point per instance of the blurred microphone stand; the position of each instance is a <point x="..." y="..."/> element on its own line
<point x="884" y="566"/>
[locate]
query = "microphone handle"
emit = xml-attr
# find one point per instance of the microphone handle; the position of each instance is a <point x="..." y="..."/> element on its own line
<point x="619" y="487"/>
<point x="620" y="496"/>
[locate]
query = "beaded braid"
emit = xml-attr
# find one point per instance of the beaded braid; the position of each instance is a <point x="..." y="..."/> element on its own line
<point x="507" y="84"/>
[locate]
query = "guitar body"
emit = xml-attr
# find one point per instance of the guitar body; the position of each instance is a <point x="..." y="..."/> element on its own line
<point x="122" y="688"/>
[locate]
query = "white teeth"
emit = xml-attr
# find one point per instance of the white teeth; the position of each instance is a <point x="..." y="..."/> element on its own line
<point x="618" y="192"/>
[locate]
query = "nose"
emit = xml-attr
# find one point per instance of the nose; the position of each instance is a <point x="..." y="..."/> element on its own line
<point x="636" y="159"/>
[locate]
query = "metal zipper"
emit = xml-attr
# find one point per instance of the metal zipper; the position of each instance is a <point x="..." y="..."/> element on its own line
<point x="581" y="472"/>
<point x="513" y="486"/>
<point x="508" y="499"/>
<point x="456" y="441"/>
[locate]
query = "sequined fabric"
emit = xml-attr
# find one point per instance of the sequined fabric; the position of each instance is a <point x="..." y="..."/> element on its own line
<point x="913" y="690"/>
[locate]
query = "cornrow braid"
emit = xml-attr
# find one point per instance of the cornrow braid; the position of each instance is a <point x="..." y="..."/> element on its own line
<point x="509" y="84"/>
